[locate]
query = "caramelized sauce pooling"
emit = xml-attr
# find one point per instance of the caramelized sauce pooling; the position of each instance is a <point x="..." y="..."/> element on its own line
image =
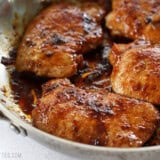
<point x="26" y="90"/>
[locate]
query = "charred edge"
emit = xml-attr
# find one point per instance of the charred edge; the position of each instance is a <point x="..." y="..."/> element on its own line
<point x="56" y="39"/>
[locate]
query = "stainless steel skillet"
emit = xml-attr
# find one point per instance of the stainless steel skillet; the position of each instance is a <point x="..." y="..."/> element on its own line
<point x="14" y="16"/>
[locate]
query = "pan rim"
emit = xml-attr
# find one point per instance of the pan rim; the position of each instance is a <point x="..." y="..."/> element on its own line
<point x="19" y="122"/>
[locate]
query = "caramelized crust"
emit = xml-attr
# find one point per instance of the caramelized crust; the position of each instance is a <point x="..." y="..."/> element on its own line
<point x="93" y="117"/>
<point x="55" y="40"/>
<point x="136" y="71"/>
<point x="94" y="10"/>
<point x="135" y="19"/>
<point x="118" y="49"/>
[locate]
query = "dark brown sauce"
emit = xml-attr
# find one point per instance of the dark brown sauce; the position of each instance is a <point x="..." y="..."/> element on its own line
<point x="96" y="69"/>
<point x="26" y="90"/>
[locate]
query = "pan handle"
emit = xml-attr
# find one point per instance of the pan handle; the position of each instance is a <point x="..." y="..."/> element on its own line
<point x="13" y="127"/>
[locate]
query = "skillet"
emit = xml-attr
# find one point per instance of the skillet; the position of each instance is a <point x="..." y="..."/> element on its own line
<point x="14" y="16"/>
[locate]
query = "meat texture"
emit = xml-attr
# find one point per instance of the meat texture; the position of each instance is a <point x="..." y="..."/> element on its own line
<point x="93" y="117"/>
<point x="136" y="71"/>
<point x="94" y="10"/>
<point x="55" y="40"/>
<point x="135" y="19"/>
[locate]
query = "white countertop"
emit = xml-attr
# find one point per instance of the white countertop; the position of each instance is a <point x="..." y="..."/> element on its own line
<point x="17" y="147"/>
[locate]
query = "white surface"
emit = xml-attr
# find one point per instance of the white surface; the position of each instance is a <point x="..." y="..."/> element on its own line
<point x="17" y="147"/>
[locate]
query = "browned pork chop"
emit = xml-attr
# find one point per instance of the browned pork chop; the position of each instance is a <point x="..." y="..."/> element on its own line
<point x="135" y="19"/>
<point x="136" y="71"/>
<point x="55" y="40"/>
<point x="93" y="117"/>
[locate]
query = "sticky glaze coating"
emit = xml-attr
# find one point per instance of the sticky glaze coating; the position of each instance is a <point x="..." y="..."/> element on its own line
<point x="93" y="117"/>
<point x="96" y="69"/>
<point x="55" y="40"/>
<point x="94" y="10"/>
<point x="135" y="19"/>
<point x="136" y="71"/>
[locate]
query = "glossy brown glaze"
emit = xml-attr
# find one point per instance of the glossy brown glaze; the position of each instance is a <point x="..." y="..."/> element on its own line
<point x="55" y="40"/>
<point x="136" y="71"/>
<point x="96" y="69"/>
<point x="26" y="90"/>
<point x="135" y="19"/>
<point x="93" y="117"/>
<point x="94" y="10"/>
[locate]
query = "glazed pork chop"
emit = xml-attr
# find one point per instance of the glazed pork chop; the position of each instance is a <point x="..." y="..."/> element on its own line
<point x="56" y="39"/>
<point x="93" y="117"/>
<point x="135" y="19"/>
<point x="136" y="71"/>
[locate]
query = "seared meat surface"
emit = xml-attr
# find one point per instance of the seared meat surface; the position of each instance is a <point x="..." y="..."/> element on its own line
<point x="94" y="10"/>
<point x="55" y="40"/>
<point x="136" y="71"/>
<point x="93" y="117"/>
<point x="135" y="19"/>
